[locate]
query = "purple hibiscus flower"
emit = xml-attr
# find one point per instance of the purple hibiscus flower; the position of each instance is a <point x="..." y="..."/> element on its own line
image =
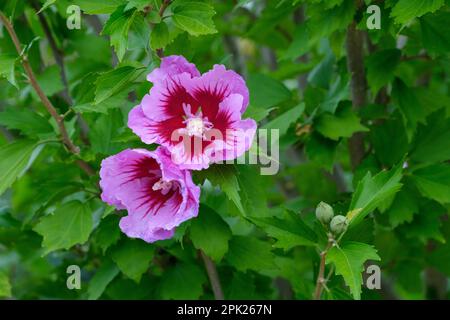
<point x="198" y="118"/>
<point x="157" y="194"/>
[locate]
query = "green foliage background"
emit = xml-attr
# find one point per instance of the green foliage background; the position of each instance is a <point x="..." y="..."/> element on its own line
<point x="364" y="120"/>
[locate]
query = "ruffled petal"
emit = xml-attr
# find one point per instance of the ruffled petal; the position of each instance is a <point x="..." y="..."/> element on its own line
<point x="171" y="66"/>
<point x="214" y="86"/>
<point x="129" y="179"/>
<point x="167" y="97"/>
<point x="143" y="126"/>
<point x="116" y="171"/>
<point x="192" y="153"/>
<point x="238" y="135"/>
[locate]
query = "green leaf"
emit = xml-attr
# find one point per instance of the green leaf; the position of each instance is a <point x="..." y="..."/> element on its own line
<point x="138" y="4"/>
<point x="160" y="36"/>
<point x="247" y="253"/>
<point x="193" y="17"/>
<point x="284" y="121"/>
<point x="256" y="113"/>
<point x="338" y="91"/>
<point x="47" y="4"/>
<point x="210" y="233"/>
<point x="7" y="63"/>
<point x="321" y="75"/>
<point x="224" y="176"/>
<point x="85" y="96"/>
<point x="27" y="121"/>
<point x="403" y="208"/>
<point x="108" y="232"/>
<point x="299" y="45"/>
<point x="241" y="287"/>
<point x="440" y="258"/>
<point x="432" y="141"/>
<point x="290" y="230"/>
<point x="426" y="224"/>
<point x="139" y="34"/>
<point x="50" y="81"/>
<point x="253" y="190"/>
<point x="434" y="36"/>
<point x="312" y="182"/>
<point x="113" y="82"/>
<point x="342" y="124"/>
<point x="70" y="224"/>
<point x="409" y="105"/>
<point x="323" y="23"/>
<point x="381" y="67"/>
<point x="15" y="158"/>
<point x="133" y="258"/>
<point x="389" y="140"/>
<point x="405" y="10"/>
<point x="99" y="6"/>
<point x="104" y="275"/>
<point x="349" y="259"/>
<point x="184" y="281"/>
<point x="265" y="91"/>
<point x="5" y="286"/>
<point x="321" y="150"/>
<point x="371" y="192"/>
<point x="117" y="27"/>
<point x="106" y="128"/>
<point x="434" y="182"/>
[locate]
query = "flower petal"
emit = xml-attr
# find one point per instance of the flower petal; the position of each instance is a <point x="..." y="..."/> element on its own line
<point x="215" y="85"/>
<point x="167" y="97"/>
<point x="142" y="126"/>
<point x="238" y="135"/>
<point x="128" y="179"/>
<point x="170" y="66"/>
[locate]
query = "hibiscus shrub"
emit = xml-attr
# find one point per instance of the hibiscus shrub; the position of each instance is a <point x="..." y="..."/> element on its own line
<point x="258" y="149"/>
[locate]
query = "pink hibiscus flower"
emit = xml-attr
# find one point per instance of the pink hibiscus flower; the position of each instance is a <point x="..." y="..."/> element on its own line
<point x="198" y="118"/>
<point x="157" y="194"/>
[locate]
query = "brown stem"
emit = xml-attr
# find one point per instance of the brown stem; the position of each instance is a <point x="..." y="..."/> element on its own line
<point x="416" y="57"/>
<point x="47" y="104"/>
<point x="320" y="277"/>
<point x="85" y="167"/>
<point x="163" y="7"/>
<point x="213" y="276"/>
<point x="355" y="66"/>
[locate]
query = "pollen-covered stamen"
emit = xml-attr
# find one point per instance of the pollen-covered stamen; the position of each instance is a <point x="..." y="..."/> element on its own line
<point x="196" y="125"/>
<point x="164" y="186"/>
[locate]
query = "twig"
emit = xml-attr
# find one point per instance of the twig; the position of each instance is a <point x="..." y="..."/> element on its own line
<point x="321" y="281"/>
<point x="163" y="7"/>
<point x="416" y="57"/>
<point x="71" y="147"/>
<point x="48" y="105"/>
<point x="213" y="276"/>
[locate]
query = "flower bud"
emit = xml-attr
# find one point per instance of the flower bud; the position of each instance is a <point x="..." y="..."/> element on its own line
<point x="338" y="224"/>
<point x="324" y="212"/>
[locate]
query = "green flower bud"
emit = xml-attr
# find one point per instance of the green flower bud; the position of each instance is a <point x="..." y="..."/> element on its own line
<point x="338" y="224"/>
<point x="324" y="212"/>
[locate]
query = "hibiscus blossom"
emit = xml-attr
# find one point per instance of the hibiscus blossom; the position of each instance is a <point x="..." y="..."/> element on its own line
<point x="157" y="194"/>
<point x="198" y="118"/>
